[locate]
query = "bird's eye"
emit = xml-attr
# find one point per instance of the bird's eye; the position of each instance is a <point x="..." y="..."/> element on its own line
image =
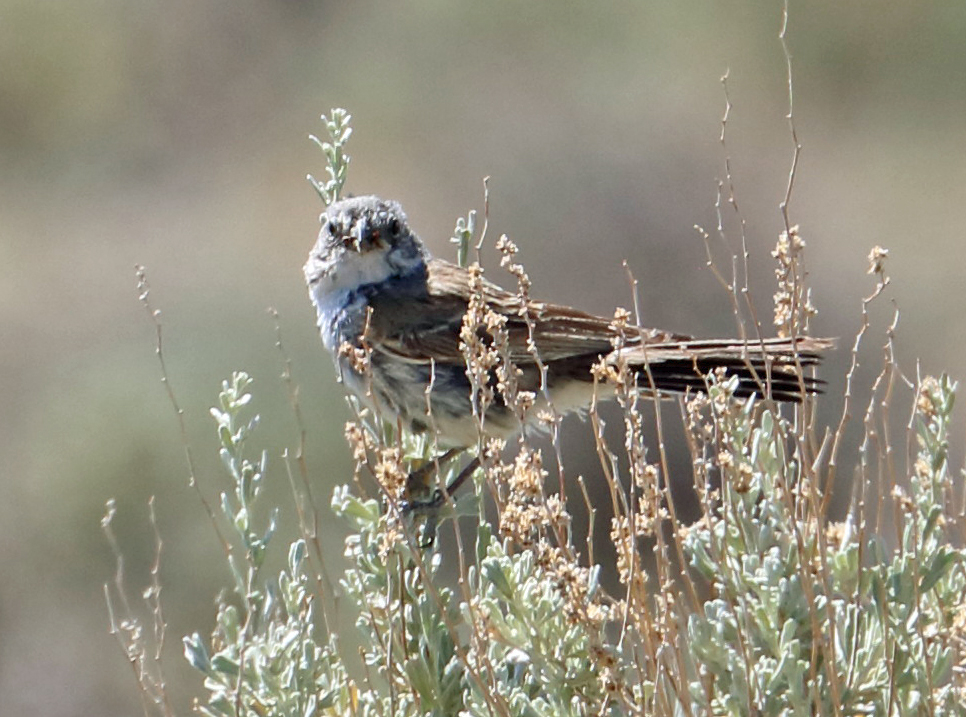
<point x="330" y="227"/>
<point x="394" y="227"/>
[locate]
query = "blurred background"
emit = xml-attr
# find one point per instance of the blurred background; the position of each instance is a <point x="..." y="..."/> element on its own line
<point x="174" y="134"/>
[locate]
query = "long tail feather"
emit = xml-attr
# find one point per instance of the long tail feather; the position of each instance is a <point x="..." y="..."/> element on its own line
<point x="769" y="367"/>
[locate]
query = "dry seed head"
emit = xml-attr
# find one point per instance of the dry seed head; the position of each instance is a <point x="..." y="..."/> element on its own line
<point x="835" y="534"/>
<point x="505" y="246"/>
<point x="647" y="479"/>
<point x="528" y="475"/>
<point x="480" y="358"/>
<point x="571" y="581"/>
<point x="492" y="449"/>
<point x="557" y="511"/>
<point x="509" y="250"/>
<point x="783" y="311"/>
<point x="495" y="325"/>
<point x="389" y="471"/>
<point x="621" y="320"/>
<point x="902" y="498"/>
<point x="619" y="325"/>
<point x="547" y="418"/>
<point x="525" y="515"/>
<point x="926" y="400"/>
<point x="605" y="372"/>
<point x="877" y="259"/>
<point x="391" y="537"/>
<point x="525" y="400"/>
<point x="624" y="543"/>
<point x="356" y="438"/>
<point x="518" y="523"/>
<point x="358" y="357"/>
<point x="741" y="480"/>
<point x="792" y="301"/>
<point x="699" y="526"/>
<point x="722" y="401"/>
<point x="696" y="404"/>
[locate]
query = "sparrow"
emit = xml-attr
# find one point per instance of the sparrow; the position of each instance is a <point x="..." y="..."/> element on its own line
<point x="376" y="287"/>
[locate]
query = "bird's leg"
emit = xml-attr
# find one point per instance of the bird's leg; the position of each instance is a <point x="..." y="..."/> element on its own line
<point x="441" y="495"/>
<point x="417" y="483"/>
<point x="459" y="480"/>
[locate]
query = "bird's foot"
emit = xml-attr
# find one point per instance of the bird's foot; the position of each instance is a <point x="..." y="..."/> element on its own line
<point x="429" y="507"/>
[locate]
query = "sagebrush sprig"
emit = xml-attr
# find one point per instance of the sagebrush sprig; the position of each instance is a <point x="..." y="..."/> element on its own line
<point x="337" y="161"/>
<point x="265" y="655"/>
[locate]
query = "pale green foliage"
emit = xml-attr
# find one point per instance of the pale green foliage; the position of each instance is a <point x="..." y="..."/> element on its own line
<point x="462" y="236"/>
<point x="337" y="161"/>
<point x="403" y="616"/>
<point x="534" y="657"/>
<point x="753" y="640"/>
<point x="512" y="646"/>
<point x="266" y="655"/>
<point x="799" y="624"/>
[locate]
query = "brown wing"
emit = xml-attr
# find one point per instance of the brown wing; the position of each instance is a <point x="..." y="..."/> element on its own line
<point x="558" y="331"/>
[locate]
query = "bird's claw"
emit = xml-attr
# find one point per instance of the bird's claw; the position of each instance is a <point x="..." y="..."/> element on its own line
<point x="423" y="506"/>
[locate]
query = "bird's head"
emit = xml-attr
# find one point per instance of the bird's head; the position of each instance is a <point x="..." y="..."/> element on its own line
<point x="363" y="241"/>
